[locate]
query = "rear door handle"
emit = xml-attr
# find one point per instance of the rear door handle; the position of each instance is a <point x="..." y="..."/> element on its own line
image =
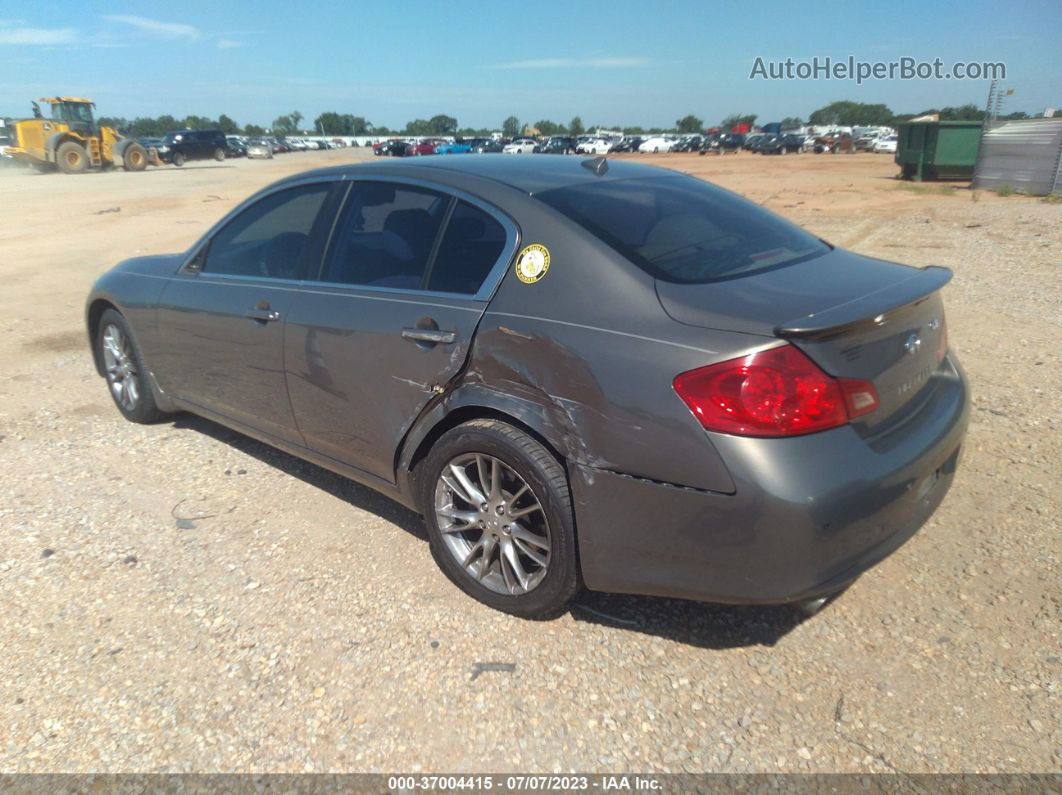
<point x="432" y="335"/>
<point x="262" y="313"/>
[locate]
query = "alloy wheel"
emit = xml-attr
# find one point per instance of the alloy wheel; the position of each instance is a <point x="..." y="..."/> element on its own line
<point x="121" y="370"/>
<point x="492" y="523"/>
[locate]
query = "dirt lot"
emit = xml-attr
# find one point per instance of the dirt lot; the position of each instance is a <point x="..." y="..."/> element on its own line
<point x="180" y="598"/>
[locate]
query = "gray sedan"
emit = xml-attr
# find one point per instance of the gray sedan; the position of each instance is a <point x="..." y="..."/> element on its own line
<point x="262" y="149"/>
<point x="581" y="373"/>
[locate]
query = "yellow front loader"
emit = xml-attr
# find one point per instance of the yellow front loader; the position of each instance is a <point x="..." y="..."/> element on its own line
<point x="72" y="141"/>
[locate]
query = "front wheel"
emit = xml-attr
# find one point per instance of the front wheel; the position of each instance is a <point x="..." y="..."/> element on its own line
<point x="499" y="517"/>
<point x="178" y="159"/>
<point x="124" y="369"/>
<point x="72" y="158"/>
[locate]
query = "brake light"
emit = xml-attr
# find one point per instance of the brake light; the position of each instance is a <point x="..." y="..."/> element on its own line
<point x="777" y="392"/>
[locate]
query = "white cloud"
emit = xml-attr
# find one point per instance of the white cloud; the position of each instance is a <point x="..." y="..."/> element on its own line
<point x="575" y="63"/>
<point x="37" y="36"/>
<point x="228" y="44"/>
<point x="168" y="30"/>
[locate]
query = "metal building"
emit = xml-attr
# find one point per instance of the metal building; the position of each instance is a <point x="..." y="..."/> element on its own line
<point x="1024" y="155"/>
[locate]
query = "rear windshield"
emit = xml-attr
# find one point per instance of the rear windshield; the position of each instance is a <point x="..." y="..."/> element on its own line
<point x="681" y="229"/>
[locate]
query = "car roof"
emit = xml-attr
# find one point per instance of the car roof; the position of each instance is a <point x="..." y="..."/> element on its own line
<point x="525" y="174"/>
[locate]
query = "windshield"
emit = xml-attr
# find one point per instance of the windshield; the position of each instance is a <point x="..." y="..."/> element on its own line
<point x="681" y="229"/>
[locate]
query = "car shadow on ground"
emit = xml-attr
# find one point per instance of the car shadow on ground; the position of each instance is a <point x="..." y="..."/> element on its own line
<point x="708" y="626"/>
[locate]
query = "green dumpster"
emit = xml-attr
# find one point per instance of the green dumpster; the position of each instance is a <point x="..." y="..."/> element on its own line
<point x="937" y="149"/>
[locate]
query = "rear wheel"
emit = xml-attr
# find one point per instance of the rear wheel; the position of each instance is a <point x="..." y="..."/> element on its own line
<point x="219" y="154"/>
<point x="134" y="158"/>
<point x="124" y="369"/>
<point x="72" y="158"/>
<point x="500" y="519"/>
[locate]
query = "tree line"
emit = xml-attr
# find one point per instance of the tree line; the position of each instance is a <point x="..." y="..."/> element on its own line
<point x="844" y="112"/>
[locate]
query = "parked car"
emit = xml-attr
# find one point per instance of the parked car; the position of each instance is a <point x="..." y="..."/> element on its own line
<point x="688" y="143"/>
<point x="595" y="146"/>
<point x="865" y="142"/>
<point x="393" y="148"/>
<point x="885" y="145"/>
<point x="628" y="143"/>
<point x="723" y="144"/>
<point x="656" y="144"/>
<point x="234" y="147"/>
<point x="520" y="146"/>
<point x="487" y="145"/>
<point x="260" y="149"/>
<point x="751" y="141"/>
<point x="773" y="144"/>
<point x="453" y="148"/>
<point x="183" y="145"/>
<point x="426" y="146"/>
<point x="557" y="145"/>
<point x="777" y="448"/>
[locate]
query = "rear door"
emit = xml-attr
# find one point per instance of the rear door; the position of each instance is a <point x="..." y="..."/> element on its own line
<point x="221" y="318"/>
<point x="390" y="320"/>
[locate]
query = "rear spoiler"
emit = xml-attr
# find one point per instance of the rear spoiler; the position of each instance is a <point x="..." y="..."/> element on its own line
<point x="925" y="281"/>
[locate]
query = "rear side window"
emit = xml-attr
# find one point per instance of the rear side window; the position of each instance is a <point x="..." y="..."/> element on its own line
<point x="269" y="238"/>
<point x="681" y="229"/>
<point x="470" y="247"/>
<point x="385" y="235"/>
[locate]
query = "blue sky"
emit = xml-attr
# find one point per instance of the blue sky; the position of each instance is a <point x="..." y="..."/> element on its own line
<point x="641" y="62"/>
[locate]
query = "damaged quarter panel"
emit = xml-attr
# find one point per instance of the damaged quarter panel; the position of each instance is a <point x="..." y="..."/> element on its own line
<point x="588" y="352"/>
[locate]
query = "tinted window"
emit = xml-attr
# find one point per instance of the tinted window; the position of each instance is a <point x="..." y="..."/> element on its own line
<point x="269" y="237"/>
<point x="470" y="247"/>
<point x="681" y="229"/>
<point x="385" y="236"/>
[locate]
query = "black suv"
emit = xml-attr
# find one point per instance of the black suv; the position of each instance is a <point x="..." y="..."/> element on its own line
<point x="178" y="147"/>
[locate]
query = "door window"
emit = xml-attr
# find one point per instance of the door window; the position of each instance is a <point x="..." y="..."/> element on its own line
<point x="269" y="238"/>
<point x="470" y="247"/>
<point x="385" y="236"/>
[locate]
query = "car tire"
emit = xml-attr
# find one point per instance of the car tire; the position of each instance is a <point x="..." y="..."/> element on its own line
<point x="72" y="158"/>
<point x="219" y="154"/>
<point x="123" y="363"/>
<point x="526" y="588"/>
<point x="178" y="159"/>
<point x="135" y="157"/>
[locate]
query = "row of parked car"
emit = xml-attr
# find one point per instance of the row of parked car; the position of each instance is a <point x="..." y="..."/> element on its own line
<point x="180" y="146"/>
<point x="713" y="143"/>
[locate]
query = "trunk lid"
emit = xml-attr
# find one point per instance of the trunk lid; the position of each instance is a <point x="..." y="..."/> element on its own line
<point x="854" y="316"/>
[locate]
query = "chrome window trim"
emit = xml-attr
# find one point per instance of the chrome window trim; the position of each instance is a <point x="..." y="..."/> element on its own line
<point x="494" y="276"/>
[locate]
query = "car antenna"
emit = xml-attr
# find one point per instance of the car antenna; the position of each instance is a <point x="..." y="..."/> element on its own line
<point x="598" y="165"/>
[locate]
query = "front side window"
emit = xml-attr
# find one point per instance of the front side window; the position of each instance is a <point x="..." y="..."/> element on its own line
<point x="269" y="238"/>
<point x="680" y="229"/>
<point x="385" y="236"/>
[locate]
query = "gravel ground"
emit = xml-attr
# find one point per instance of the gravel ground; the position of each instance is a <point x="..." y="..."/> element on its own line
<point x="181" y="598"/>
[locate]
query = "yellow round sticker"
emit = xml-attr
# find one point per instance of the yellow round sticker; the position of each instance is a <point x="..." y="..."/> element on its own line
<point x="532" y="263"/>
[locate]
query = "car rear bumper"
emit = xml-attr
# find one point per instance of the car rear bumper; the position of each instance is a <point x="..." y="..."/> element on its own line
<point x="808" y="515"/>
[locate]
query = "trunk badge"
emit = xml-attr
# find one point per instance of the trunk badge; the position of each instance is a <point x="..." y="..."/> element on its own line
<point x="914" y="342"/>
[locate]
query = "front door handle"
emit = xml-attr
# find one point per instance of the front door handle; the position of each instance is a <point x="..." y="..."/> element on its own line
<point x="431" y="335"/>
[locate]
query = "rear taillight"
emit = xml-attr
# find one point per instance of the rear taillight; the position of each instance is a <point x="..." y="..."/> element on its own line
<point x="942" y="344"/>
<point x="777" y="392"/>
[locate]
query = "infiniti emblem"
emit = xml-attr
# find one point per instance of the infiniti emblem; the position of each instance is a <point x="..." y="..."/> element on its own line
<point x="914" y="342"/>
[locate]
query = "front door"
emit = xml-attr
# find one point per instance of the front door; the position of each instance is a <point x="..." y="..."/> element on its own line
<point x="221" y="321"/>
<point x="391" y="320"/>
